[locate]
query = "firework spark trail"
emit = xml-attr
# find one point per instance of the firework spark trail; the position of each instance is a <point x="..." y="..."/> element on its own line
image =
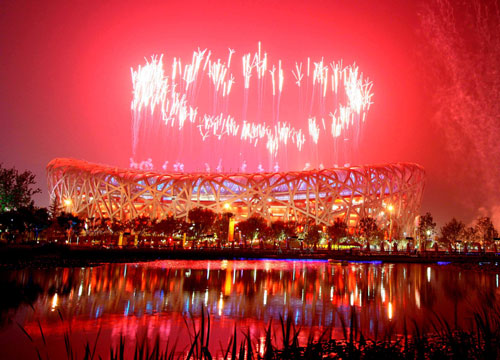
<point x="218" y="126"/>
<point x="231" y="52"/>
<point x="298" y="74"/>
<point x="280" y="90"/>
<point x="261" y="66"/>
<point x="150" y="90"/>
<point x="172" y="99"/>
<point x="313" y="129"/>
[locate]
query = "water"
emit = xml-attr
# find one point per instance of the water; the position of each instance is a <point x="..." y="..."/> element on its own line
<point x="146" y="300"/>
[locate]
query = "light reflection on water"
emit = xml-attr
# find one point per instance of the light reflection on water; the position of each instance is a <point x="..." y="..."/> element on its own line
<point x="153" y="297"/>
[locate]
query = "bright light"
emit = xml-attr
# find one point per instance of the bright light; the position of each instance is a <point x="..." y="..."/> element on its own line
<point x="67" y="202"/>
<point x="338" y="98"/>
<point x="227" y="206"/>
<point x="54" y="302"/>
<point x="220" y="306"/>
<point x="390" y="208"/>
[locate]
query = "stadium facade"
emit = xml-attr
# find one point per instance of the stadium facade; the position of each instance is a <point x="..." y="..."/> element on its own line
<point x="390" y="193"/>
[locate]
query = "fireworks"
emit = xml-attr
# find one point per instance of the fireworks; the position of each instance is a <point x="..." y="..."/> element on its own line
<point x="263" y="116"/>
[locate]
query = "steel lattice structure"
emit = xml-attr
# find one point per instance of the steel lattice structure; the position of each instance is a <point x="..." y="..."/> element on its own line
<point x="318" y="196"/>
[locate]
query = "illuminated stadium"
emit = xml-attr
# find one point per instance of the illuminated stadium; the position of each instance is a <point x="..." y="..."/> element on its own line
<point x="386" y="191"/>
<point x="284" y="128"/>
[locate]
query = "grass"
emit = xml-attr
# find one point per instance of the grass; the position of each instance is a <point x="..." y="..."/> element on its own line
<point x="441" y="342"/>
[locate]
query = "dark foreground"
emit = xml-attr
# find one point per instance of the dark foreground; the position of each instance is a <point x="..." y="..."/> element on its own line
<point x="351" y="309"/>
<point x="441" y="342"/>
<point x="19" y="256"/>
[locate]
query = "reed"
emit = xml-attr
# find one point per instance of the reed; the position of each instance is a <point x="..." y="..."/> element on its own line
<point x="441" y="342"/>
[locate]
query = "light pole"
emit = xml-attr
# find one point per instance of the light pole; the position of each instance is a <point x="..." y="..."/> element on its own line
<point x="230" y="230"/>
<point x="428" y="232"/>
<point x="68" y="203"/>
<point x="391" y="209"/>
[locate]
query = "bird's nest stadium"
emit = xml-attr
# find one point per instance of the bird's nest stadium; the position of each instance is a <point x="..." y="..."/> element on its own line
<point x="389" y="193"/>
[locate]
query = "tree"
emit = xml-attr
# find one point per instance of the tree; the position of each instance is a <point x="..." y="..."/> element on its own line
<point x="221" y="226"/>
<point x="41" y="220"/>
<point x="252" y="227"/>
<point x="452" y="232"/>
<point x="55" y="207"/>
<point x="201" y="221"/>
<point x="279" y="230"/>
<point x="34" y="220"/>
<point x="116" y="226"/>
<point x="368" y="227"/>
<point x="140" y="224"/>
<point x="14" y="222"/>
<point x="26" y="221"/>
<point x="337" y="230"/>
<point x="168" y="226"/>
<point x="301" y="230"/>
<point x="103" y="225"/>
<point x="183" y="226"/>
<point x="426" y="228"/>
<point x="314" y="234"/>
<point x="470" y="235"/>
<point x="486" y="232"/>
<point x="16" y="189"/>
<point x="69" y="223"/>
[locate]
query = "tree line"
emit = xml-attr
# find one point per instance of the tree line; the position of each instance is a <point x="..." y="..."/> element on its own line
<point x="456" y="235"/>
<point x="21" y="220"/>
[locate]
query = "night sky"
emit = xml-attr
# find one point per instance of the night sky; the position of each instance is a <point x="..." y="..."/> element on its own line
<point x="66" y="88"/>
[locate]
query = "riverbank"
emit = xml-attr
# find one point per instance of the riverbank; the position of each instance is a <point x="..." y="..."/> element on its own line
<point x="49" y="255"/>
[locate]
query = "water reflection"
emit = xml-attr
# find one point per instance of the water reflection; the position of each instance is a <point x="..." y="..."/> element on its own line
<point x="123" y="297"/>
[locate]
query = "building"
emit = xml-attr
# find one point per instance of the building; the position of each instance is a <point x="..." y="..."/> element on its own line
<point x="390" y="193"/>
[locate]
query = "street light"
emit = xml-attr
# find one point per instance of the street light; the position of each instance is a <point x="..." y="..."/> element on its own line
<point x="428" y="232"/>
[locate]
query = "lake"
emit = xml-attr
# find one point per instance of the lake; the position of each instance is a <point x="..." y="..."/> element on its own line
<point x="163" y="299"/>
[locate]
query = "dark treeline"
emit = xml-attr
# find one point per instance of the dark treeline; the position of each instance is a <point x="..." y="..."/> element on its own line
<point x="22" y="221"/>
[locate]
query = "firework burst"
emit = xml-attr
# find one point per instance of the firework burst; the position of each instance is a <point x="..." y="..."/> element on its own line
<point x="208" y="113"/>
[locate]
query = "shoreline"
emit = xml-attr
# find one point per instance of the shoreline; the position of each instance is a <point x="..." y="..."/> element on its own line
<point x="53" y="255"/>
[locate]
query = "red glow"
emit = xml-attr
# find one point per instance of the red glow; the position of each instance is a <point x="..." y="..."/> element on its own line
<point x="170" y="98"/>
<point x="65" y="70"/>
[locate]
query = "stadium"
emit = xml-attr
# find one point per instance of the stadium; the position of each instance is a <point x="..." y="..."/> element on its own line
<point x="390" y="193"/>
<point x="182" y="118"/>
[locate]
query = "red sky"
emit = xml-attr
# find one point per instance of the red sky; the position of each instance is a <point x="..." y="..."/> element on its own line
<point x="66" y="86"/>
